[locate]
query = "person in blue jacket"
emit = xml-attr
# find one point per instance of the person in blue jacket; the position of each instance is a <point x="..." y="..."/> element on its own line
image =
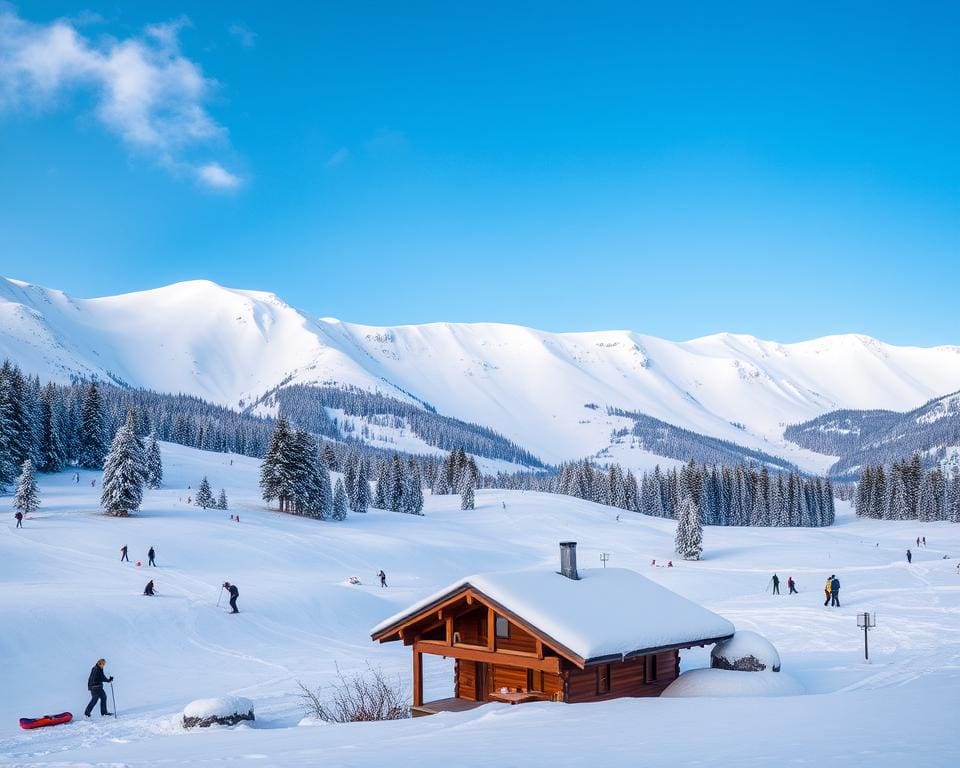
<point x="835" y="592"/>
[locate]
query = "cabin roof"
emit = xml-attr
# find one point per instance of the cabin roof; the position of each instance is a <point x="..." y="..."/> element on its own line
<point x="607" y="612"/>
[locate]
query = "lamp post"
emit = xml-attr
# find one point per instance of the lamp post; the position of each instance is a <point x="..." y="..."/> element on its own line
<point x="604" y="556"/>
<point x="866" y="620"/>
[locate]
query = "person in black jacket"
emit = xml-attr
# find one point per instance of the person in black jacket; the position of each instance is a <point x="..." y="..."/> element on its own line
<point x="234" y="594"/>
<point x="123" y="554"/>
<point x="150" y="555"/>
<point x="148" y="590"/>
<point x="95" y="686"/>
<point x="835" y="592"/>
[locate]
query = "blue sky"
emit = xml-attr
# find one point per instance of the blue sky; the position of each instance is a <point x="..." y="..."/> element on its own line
<point x="677" y="169"/>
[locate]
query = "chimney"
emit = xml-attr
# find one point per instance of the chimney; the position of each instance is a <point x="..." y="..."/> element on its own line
<point x="568" y="559"/>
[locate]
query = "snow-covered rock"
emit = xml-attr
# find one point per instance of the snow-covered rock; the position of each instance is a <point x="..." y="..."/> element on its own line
<point x="725" y="683"/>
<point x="746" y="651"/>
<point x="227" y="710"/>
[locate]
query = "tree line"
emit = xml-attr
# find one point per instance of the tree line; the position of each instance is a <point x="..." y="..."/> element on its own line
<point x="903" y="490"/>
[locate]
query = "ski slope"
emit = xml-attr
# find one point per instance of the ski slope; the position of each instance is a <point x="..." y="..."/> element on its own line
<point x="230" y="346"/>
<point x="66" y="600"/>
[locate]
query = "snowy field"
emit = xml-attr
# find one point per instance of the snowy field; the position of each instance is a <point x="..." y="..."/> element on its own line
<point x="66" y="600"/>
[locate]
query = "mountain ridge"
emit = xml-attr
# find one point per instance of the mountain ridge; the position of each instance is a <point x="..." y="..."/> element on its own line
<point x="231" y="346"/>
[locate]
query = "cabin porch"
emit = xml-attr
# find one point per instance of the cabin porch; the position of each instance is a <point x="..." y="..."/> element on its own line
<point x="452" y="704"/>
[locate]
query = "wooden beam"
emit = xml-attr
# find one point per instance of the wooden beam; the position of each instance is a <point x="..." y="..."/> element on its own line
<point x="549" y="664"/>
<point x="449" y="630"/>
<point x="539" y="648"/>
<point x="491" y="629"/>
<point x="417" y="678"/>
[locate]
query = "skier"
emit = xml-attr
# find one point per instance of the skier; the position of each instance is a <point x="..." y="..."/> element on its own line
<point x="148" y="590"/>
<point x="792" y="585"/>
<point x="150" y="555"/>
<point x="383" y="578"/>
<point x="234" y="594"/>
<point x="834" y="591"/>
<point x="19" y="517"/>
<point x="95" y="686"/>
<point x="776" y="584"/>
<point x="909" y="557"/>
<point x="826" y="590"/>
<point x="123" y="554"/>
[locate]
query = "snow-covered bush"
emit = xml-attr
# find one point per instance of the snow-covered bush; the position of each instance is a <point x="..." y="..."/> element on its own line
<point x="362" y="697"/>
<point x="724" y="683"/>
<point x="745" y="652"/>
<point x="228" y="710"/>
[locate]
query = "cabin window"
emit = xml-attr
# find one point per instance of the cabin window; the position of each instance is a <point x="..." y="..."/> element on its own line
<point x="603" y="679"/>
<point x="502" y="627"/>
<point x="651" y="676"/>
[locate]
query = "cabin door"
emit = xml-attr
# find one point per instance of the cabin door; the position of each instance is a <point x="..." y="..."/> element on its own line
<point x="483" y="681"/>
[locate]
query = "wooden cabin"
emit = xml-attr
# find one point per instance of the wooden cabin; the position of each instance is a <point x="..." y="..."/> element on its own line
<point x="538" y="635"/>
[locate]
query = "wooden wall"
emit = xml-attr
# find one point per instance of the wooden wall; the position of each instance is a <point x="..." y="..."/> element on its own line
<point x="519" y="640"/>
<point x="627" y="678"/>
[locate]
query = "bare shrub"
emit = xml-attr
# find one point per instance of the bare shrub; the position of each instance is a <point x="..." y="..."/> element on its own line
<point x="360" y="697"/>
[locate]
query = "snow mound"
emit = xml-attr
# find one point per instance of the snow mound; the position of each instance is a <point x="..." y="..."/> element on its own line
<point x="746" y="651"/>
<point x="227" y="710"/>
<point x="727" y="683"/>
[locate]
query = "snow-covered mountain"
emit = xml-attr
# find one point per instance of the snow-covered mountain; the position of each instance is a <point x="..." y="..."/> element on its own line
<point x="538" y="388"/>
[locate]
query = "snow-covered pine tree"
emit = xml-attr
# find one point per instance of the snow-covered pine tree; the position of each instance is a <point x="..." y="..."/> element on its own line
<point x="53" y="456"/>
<point x="276" y="471"/>
<point x="466" y="491"/>
<point x="340" y="501"/>
<point x="953" y="497"/>
<point x="441" y="488"/>
<point x="154" y="464"/>
<point x="27" y="497"/>
<point x="124" y="473"/>
<point x="350" y="480"/>
<point x="222" y="500"/>
<point x="204" y="495"/>
<point x="395" y="483"/>
<point x="93" y="442"/>
<point x="926" y="499"/>
<point x="413" y="490"/>
<point x="361" y="491"/>
<point x="689" y="536"/>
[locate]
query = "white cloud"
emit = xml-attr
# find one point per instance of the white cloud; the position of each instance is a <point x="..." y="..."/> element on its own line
<point x="216" y="176"/>
<point x="245" y="36"/>
<point x="145" y="90"/>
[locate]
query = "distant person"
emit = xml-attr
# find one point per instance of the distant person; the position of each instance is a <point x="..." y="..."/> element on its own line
<point x="909" y="557"/>
<point x="383" y="578"/>
<point x="776" y="584"/>
<point x="76" y="478"/>
<point x="123" y="554"/>
<point x="834" y="591"/>
<point x="95" y="685"/>
<point x="792" y="586"/>
<point x="93" y="483"/>
<point x="924" y="541"/>
<point x="150" y="558"/>
<point x="148" y="590"/>
<point x="19" y="517"/>
<point x="918" y="542"/>
<point x="234" y="594"/>
<point x="826" y="590"/>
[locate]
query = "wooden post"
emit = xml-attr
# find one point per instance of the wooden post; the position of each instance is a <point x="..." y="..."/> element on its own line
<point x="491" y="629"/>
<point x="417" y="679"/>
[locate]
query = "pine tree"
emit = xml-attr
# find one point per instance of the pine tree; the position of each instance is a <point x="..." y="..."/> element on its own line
<point x="222" y="500"/>
<point x="926" y="499"/>
<point x="380" y="488"/>
<point x="93" y="444"/>
<point x="413" y="490"/>
<point x="204" y="495"/>
<point x="154" y="464"/>
<point x="27" y="497"/>
<point x="52" y="454"/>
<point x="361" y="490"/>
<point x="340" y="501"/>
<point x="689" y="535"/>
<point x="124" y="473"/>
<point x="466" y="491"/>
<point x="395" y="483"/>
<point x="277" y="470"/>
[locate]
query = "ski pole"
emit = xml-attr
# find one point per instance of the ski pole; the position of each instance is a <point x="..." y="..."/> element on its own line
<point x="113" y="696"/>
<point x="219" y="597"/>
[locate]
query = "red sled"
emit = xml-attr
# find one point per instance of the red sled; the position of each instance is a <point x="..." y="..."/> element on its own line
<point x="29" y="723"/>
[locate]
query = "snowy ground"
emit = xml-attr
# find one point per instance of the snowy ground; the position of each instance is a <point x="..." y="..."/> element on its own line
<point x="65" y="600"/>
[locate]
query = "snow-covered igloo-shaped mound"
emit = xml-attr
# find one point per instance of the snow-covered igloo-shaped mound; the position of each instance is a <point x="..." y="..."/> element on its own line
<point x="227" y="710"/>
<point x="746" y="651"/>
<point x="722" y="683"/>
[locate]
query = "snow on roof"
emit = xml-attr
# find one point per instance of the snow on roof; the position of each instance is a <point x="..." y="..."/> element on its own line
<point x="606" y="612"/>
